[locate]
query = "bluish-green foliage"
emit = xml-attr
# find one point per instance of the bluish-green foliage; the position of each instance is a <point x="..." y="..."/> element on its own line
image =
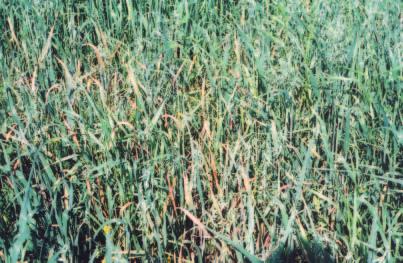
<point x="165" y="130"/>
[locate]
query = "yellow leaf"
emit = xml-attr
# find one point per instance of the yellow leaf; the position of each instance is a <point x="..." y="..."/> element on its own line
<point x="316" y="203"/>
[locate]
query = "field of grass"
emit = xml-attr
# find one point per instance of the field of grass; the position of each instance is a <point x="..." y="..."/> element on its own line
<point x="199" y="131"/>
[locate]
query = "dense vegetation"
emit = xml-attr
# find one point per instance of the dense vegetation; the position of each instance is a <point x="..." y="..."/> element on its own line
<point x="189" y="130"/>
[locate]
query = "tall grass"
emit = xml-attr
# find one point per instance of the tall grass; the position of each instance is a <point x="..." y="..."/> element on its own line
<point x="203" y="130"/>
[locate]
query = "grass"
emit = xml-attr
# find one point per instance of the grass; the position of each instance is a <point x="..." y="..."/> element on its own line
<point x="178" y="131"/>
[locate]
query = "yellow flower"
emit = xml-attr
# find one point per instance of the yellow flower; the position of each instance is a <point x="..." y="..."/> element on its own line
<point x="103" y="260"/>
<point x="107" y="229"/>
